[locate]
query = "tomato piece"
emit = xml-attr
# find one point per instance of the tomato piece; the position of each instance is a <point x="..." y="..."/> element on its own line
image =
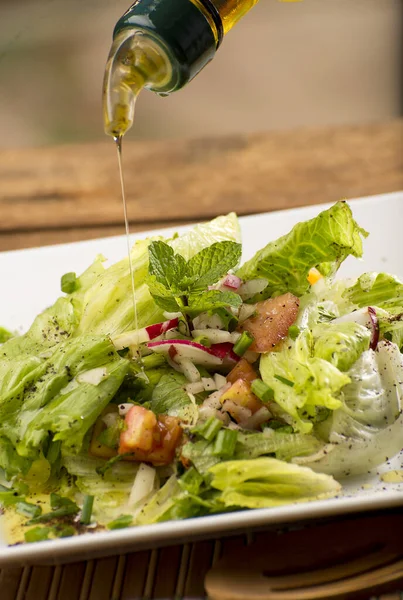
<point x="242" y="370"/>
<point x="141" y="431"/>
<point x="171" y="433"/>
<point x="240" y="393"/>
<point x="273" y="318"/>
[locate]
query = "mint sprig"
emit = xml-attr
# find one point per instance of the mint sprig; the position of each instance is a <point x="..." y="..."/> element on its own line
<point x="180" y="285"/>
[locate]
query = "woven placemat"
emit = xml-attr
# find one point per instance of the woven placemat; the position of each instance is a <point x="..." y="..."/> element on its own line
<point x="174" y="572"/>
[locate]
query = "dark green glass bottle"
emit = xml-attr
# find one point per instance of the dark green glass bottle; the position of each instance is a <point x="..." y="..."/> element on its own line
<point x="161" y="45"/>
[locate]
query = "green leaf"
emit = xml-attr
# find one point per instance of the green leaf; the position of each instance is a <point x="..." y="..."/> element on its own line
<point x="340" y="343"/>
<point x="212" y="263"/>
<point x="376" y="289"/>
<point x="267" y="482"/>
<point x="69" y="283"/>
<point x="5" y="335"/>
<point x="169" y="397"/>
<point x="328" y="238"/>
<point x="211" y="300"/>
<point x="162" y="296"/>
<point x="167" y="267"/>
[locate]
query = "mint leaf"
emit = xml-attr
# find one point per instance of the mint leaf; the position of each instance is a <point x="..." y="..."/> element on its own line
<point x="211" y="300"/>
<point x="162" y="296"/>
<point x="212" y="263"/>
<point x="167" y="267"/>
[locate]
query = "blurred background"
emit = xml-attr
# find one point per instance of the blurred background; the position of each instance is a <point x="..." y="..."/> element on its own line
<point x="316" y="62"/>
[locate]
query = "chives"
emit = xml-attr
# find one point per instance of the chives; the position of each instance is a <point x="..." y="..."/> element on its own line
<point x="57" y="501"/>
<point x="209" y="429"/>
<point x="284" y="380"/>
<point x="9" y="498"/>
<point x="244" y="342"/>
<point x="63" y="511"/>
<point x="27" y="509"/>
<point x="225" y="443"/>
<point x="37" y="534"/>
<point x="262" y="390"/>
<point x="121" y="522"/>
<point x="87" y="510"/>
<point x="53" y="451"/>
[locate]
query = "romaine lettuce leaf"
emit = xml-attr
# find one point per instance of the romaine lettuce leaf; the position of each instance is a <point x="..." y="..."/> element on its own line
<point x="367" y="429"/>
<point x="268" y="482"/>
<point x="303" y="384"/>
<point x="323" y="242"/>
<point x="169" y="397"/>
<point x="376" y="289"/>
<point x="341" y="344"/>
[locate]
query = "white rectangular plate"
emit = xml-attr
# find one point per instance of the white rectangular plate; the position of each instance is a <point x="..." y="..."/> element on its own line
<point x="30" y="282"/>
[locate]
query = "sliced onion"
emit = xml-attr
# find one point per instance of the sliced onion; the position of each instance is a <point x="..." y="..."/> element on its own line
<point x="209" y="384"/>
<point x="217" y="336"/>
<point x="246" y="311"/>
<point x="251" y="356"/>
<point x="110" y="418"/>
<point x="374" y="326"/>
<point x="254" y="421"/>
<point x="143" y="484"/>
<point x="189" y="370"/>
<point x="194" y="388"/>
<point x="206" y="321"/>
<point x="239" y="413"/>
<point x="93" y="376"/>
<point x="220" y="380"/>
<point x="124" y="408"/>
<point x="130" y="338"/>
<point x="252" y="287"/>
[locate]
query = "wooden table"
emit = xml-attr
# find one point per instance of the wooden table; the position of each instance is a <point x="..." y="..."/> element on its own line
<point x="53" y="195"/>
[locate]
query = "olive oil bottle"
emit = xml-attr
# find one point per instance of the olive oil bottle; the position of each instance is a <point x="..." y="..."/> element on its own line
<point x="161" y="45"/>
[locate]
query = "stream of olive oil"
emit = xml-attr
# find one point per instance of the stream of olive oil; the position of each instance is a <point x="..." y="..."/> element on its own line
<point x="118" y="141"/>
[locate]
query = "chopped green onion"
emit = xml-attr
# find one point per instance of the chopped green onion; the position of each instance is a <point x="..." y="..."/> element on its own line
<point x="87" y="510"/>
<point x="27" y="509"/>
<point x="152" y="361"/>
<point x="53" y="452"/>
<point x="37" y="534"/>
<point x="63" y="511"/>
<point x="241" y="346"/>
<point x="62" y="532"/>
<point x="203" y="340"/>
<point x="121" y="522"/>
<point x="225" y="443"/>
<point x="57" y="501"/>
<point x="262" y="390"/>
<point x="293" y="332"/>
<point x="10" y="497"/>
<point x="209" y="429"/>
<point x="284" y="380"/>
<point x="69" y="283"/>
<point x="109" y="463"/>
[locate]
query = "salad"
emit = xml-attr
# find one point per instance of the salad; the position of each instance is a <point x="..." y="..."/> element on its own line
<point x="222" y="388"/>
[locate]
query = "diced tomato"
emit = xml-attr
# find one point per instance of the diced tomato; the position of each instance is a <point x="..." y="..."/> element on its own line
<point x="141" y="430"/>
<point x="242" y="370"/>
<point x="148" y="439"/>
<point x="273" y="318"/>
<point x="96" y="448"/>
<point x="240" y="393"/>
<point x="314" y="276"/>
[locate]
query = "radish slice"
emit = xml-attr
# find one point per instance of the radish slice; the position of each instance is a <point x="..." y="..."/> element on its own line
<point x="160" y="328"/>
<point x="375" y="328"/>
<point x="252" y="287"/>
<point x="196" y="353"/>
<point x="140" y="336"/>
<point x="360" y="316"/>
<point x="232" y="282"/>
<point x="226" y="353"/>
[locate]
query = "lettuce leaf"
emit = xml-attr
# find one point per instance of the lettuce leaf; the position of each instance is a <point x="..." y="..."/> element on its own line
<point x="303" y="384"/>
<point x="169" y="397"/>
<point x="323" y="242"/>
<point x="341" y="344"/>
<point x="367" y="429"/>
<point x="268" y="482"/>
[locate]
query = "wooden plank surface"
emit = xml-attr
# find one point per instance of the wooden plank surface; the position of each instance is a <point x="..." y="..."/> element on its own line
<point x="50" y="195"/>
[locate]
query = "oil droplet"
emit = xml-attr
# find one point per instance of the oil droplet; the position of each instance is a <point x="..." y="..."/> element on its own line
<point x="393" y="476"/>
